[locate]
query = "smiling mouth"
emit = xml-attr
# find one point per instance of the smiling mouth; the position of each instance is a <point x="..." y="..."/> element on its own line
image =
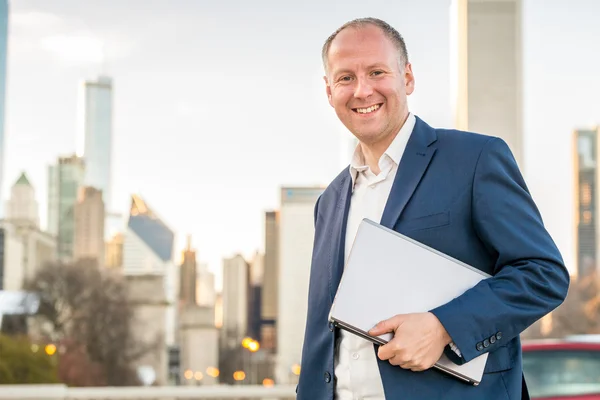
<point x="368" y="110"/>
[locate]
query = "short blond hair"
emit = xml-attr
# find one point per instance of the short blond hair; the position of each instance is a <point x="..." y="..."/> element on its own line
<point x="386" y="28"/>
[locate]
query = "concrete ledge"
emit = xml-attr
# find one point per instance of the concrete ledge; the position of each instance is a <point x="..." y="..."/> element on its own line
<point x="61" y="392"/>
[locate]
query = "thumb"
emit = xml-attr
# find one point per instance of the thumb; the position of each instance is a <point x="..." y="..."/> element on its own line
<point x="387" y="325"/>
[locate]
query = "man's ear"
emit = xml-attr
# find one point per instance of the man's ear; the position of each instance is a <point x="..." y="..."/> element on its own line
<point x="328" y="90"/>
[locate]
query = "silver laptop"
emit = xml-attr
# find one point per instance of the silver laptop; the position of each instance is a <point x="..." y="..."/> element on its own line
<point x="388" y="274"/>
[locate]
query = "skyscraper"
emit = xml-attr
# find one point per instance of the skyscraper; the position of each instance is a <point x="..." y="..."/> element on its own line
<point x="3" y="53"/>
<point x="148" y="251"/>
<point x="89" y="226"/>
<point x="187" y="276"/>
<point x="487" y="69"/>
<point x="206" y="295"/>
<point x="235" y="300"/>
<point x="296" y="233"/>
<point x="95" y="135"/>
<point x="64" y="180"/>
<point x="270" y="291"/>
<point x="22" y="223"/>
<point x="22" y="205"/>
<point x="587" y="199"/>
<point x="256" y="272"/>
<point x="114" y="251"/>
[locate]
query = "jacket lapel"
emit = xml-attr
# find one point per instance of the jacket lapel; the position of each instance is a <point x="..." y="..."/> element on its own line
<point x="417" y="156"/>
<point x="338" y="234"/>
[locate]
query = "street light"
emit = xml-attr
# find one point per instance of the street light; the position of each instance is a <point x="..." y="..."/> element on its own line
<point x="253" y="346"/>
<point x="268" y="382"/>
<point x="246" y="342"/>
<point x="239" y="375"/>
<point x="296" y="369"/>
<point x="212" y="372"/>
<point x="50" y="349"/>
<point x="189" y="374"/>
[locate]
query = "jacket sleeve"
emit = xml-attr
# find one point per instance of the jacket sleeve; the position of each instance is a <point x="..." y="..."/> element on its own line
<point x="529" y="278"/>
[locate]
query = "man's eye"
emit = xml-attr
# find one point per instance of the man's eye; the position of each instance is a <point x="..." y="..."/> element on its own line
<point x="345" y="79"/>
<point x="376" y="72"/>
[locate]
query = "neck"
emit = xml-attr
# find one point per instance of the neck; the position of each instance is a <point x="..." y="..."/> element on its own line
<point x="373" y="151"/>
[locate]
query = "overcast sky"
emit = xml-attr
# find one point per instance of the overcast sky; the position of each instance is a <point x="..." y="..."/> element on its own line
<point x="217" y="104"/>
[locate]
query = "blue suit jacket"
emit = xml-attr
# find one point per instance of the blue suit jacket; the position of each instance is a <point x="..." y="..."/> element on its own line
<point x="460" y="193"/>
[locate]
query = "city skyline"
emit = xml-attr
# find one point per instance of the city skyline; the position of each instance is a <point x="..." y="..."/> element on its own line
<point x="197" y="110"/>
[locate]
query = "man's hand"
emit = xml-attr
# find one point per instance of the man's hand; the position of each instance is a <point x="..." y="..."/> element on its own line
<point x="418" y="343"/>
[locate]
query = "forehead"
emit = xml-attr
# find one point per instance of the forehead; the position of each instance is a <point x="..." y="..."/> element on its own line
<point x="360" y="46"/>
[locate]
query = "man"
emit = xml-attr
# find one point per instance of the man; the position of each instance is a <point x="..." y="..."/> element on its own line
<point x="458" y="192"/>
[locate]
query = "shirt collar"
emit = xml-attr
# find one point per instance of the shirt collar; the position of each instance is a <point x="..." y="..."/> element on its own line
<point x="394" y="151"/>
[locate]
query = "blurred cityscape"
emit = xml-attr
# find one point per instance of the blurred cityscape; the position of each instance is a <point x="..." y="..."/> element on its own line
<point x="102" y="296"/>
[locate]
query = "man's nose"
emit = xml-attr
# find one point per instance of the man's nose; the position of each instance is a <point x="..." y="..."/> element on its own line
<point x="363" y="88"/>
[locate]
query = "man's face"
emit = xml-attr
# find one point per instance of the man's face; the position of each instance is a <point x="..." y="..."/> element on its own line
<point x="366" y="85"/>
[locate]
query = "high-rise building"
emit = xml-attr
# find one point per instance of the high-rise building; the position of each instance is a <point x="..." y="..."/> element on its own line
<point x="89" y="226"/>
<point x="206" y="294"/>
<point x="22" y="205"/>
<point x="235" y="300"/>
<point x="188" y="276"/>
<point x="296" y="235"/>
<point x="114" y="251"/>
<point x="255" y="283"/>
<point x="199" y="344"/>
<point x="487" y="69"/>
<point x="39" y="248"/>
<point x="148" y="250"/>
<point x="95" y="135"/>
<point x="3" y="54"/>
<point x="198" y="335"/>
<point x="587" y="199"/>
<point x="64" y="180"/>
<point x="270" y="288"/>
<point x="147" y="295"/>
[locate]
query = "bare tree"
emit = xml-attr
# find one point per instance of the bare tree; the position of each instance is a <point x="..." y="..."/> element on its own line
<point x="580" y="312"/>
<point x="86" y="311"/>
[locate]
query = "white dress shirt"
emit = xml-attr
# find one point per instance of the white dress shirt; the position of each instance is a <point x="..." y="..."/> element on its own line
<point x="356" y="370"/>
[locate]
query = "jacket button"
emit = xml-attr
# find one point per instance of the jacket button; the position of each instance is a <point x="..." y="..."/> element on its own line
<point x="327" y="377"/>
<point x="493" y="339"/>
<point x="499" y="335"/>
<point x="331" y="327"/>
<point x="479" y="346"/>
<point x="486" y="343"/>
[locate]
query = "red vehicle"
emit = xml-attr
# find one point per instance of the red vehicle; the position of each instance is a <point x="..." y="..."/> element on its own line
<point x="566" y="369"/>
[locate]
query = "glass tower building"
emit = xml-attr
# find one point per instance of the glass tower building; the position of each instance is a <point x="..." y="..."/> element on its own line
<point x="3" y="50"/>
<point x="95" y="135"/>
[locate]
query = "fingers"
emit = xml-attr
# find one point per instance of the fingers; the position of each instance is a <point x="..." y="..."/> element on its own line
<point x="413" y="365"/>
<point x="385" y="326"/>
<point x="393" y="348"/>
<point x="397" y="354"/>
<point x="382" y="327"/>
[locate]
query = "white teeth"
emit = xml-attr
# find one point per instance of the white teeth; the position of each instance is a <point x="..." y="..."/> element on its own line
<point x="367" y="110"/>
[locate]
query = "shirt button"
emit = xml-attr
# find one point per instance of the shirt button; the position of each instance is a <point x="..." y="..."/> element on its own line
<point x="327" y="377"/>
<point x="355" y="356"/>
